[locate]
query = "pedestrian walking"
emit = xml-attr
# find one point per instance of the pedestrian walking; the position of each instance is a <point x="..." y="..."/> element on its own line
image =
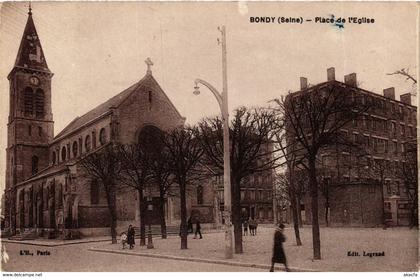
<point x="278" y="252"/>
<point x="130" y="236"/>
<point x="252" y="227"/>
<point x="245" y="227"/>
<point x="197" y="229"/>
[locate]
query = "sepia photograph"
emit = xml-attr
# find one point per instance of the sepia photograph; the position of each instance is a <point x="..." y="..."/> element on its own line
<point x="177" y="136"/>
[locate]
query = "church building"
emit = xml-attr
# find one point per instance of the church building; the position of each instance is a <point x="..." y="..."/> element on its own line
<point x="47" y="194"/>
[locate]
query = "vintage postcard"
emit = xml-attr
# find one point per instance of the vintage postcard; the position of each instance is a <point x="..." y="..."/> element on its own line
<point x="209" y="136"/>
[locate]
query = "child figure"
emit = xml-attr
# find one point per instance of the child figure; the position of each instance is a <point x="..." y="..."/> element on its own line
<point x="123" y="239"/>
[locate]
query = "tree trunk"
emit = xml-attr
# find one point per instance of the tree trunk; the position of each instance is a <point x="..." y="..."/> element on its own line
<point x="299" y="211"/>
<point x="314" y="209"/>
<point x="236" y="216"/>
<point x="162" y="215"/>
<point x="327" y="205"/>
<point x="183" y="231"/>
<point x="295" y="219"/>
<point x="113" y="211"/>
<point x="142" y="208"/>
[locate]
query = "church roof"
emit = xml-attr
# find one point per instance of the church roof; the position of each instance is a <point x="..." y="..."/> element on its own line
<point x="105" y="107"/>
<point x="30" y="54"/>
<point x="98" y="111"/>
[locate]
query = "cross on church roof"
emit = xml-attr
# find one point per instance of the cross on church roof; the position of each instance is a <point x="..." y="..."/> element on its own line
<point x="149" y="63"/>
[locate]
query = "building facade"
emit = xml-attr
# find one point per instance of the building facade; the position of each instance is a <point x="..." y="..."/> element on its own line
<point x="362" y="185"/>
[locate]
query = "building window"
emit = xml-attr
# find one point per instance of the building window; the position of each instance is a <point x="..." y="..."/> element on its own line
<point x="94" y="192"/>
<point x="388" y="187"/>
<point x="87" y="143"/>
<point x="63" y="153"/>
<point x="150" y="100"/>
<point x="39" y="131"/>
<point x="200" y="195"/>
<point x="397" y="187"/>
<point x="34" y="165"/>
<point x="252" y="194"/>
<point x="30" y="130"/>
<point x="75" y="149"/>
<point x="242" y="194"/>
<point x="39" y="103"/>
<point x="102" y="136"/>
<point x="28" y="101"/>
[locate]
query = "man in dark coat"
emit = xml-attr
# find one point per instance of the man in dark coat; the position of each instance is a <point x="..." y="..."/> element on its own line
<point x="278" y="252"/>
<point x="198" y="229"/>
<point x="130" y="236"/>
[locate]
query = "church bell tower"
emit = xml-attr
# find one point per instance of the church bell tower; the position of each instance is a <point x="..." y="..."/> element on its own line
<point x="30" y="124"/>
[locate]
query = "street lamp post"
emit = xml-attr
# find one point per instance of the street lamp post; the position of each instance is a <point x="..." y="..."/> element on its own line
<point x="222" y="99"/>
<point x="149" y="211"/>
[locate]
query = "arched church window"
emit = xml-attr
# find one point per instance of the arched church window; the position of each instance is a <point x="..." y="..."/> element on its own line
<point x="94" y="192"/>
<point x="75" y="149"/>
<point x="63" y="153"/>
<point x="34" y="165"/>
<point x="28" y="101"/>
<point x="199" y="194"/>
<point x="87" y="143"/>
<point x="54" y="157"/>
<point x="39" y="103"/>
<point x="102" y="136"/>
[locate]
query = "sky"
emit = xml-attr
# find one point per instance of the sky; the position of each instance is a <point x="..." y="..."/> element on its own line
<point x="97" y="50"/>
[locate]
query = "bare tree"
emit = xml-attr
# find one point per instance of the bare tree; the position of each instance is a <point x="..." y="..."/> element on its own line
<point x="408" y="173"/>
<point x="405" y="72"/>
<point x="103" y="165"/>
<point x="183" y="154"/>
<point x="135" y="173"/>
<point x="251" y="152"/>
<point x="286" y="183"/>
<point x="313" y="119"/>
<point x="162" y="175"/>
<point x="293" y="186"/>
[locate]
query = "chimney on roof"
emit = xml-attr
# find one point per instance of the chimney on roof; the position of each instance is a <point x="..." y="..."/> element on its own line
<point x="303" y="83"/>
<point x="389" y="93"/>
<point x="351" y="79"/>
<point x="331" y="74"/>
<point x="406" y="98"/>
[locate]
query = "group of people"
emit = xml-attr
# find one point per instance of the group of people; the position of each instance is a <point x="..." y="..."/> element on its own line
<point x="128" y="237"/>
<point x="252" y="225"/>
<point x="278" y="252"/>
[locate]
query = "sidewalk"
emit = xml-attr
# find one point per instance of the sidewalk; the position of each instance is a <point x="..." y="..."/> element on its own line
<point x="399" y="245"/>
<point x="56" y="242"/>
